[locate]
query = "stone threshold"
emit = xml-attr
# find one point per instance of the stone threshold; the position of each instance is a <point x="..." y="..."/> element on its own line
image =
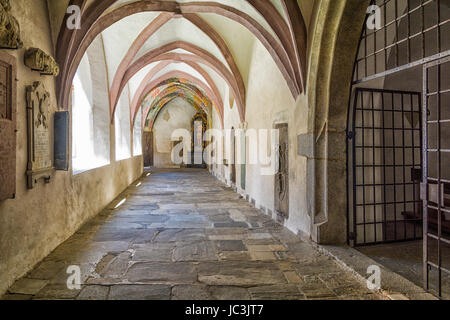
<point x="393" y="285"/>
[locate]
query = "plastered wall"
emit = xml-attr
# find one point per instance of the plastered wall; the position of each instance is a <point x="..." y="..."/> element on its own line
<point x="178" y="114"/>
<point x="269" y="102"/>
<point x="38" y="220"/>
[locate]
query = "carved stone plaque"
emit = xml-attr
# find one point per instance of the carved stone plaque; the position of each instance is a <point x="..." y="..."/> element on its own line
<point x="282" y="176"/>
<point x="39" y="152"/>
<point x="9" y="28"/>
<point x="38" y="60"/>
<point x="7" y="126"/>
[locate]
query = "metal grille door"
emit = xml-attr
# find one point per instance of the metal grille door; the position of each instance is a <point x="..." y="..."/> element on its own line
<point x="411" y="33"/>
<point x="385" y="167"/>
<point x="436" y="177"/>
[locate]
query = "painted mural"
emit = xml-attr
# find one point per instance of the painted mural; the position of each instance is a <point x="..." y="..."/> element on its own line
<point x="169" y="90"/>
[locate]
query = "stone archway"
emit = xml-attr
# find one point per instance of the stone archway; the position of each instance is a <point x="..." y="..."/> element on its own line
<point x="288" y="54"/>
<point x="334" y="47"/>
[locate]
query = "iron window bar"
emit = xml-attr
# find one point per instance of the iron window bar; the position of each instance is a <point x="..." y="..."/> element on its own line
<point x="383" y="203"/>
<point x="375" y="49"/>
<point x="418" y="29"/>
<point x="437" y="206"/>
<point x="437" y="238"/>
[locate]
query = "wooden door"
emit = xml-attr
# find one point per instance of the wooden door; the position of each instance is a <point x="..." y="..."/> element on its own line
<point x="147" y="145"/>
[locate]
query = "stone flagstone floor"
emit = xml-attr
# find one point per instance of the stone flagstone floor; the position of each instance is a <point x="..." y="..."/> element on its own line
<point x="182" y="234"/>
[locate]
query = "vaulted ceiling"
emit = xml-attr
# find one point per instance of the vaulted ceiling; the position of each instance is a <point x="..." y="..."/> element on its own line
<point x="152" y="46"/>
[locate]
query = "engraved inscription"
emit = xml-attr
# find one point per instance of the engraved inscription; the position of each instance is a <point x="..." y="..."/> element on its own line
<point x="41" y="143"/>
<point x="39" y="160"/>
<point x="41" y="148"/>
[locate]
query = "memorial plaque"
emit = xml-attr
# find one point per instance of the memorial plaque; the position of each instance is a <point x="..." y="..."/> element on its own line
<point x="7" y="126"/>
<point x="39" y="152"/>
<point x="282" y="176"/>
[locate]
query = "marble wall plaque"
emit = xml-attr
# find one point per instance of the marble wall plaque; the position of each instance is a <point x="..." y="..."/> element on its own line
<point x="39" y="151"/>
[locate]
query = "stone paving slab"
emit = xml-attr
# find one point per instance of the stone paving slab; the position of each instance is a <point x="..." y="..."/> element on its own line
<point x="184" y="235"/>
<point x="94" y="292"/>
<point x="139" y="292"/>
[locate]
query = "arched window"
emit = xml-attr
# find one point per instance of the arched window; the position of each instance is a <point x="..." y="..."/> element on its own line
<point x="122" y="127"/>
<point x="137" y="135"/>
<point x="90" y="120"/>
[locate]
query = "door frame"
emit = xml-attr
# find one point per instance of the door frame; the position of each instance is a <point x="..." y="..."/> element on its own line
<point x="353" y="150"/>
<point x="428" y="265"/>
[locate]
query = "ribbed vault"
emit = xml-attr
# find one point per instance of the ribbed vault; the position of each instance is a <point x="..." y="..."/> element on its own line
<point x="152" y="107"/>
<point x="174" y="78"/>
<point x="166" y="49"/>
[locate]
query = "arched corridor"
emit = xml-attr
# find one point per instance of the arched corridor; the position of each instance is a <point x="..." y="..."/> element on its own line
<point x="224" y="149"/>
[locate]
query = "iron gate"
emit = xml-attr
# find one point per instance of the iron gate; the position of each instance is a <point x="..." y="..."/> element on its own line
<point x="411" y="34"/>
<point x="385" y="157"/>
<point x="436" y="176"/>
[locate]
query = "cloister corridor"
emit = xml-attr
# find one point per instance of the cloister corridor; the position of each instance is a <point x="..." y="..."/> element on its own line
<point x="225" y="150"/>
<point x="183" y="235"/>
